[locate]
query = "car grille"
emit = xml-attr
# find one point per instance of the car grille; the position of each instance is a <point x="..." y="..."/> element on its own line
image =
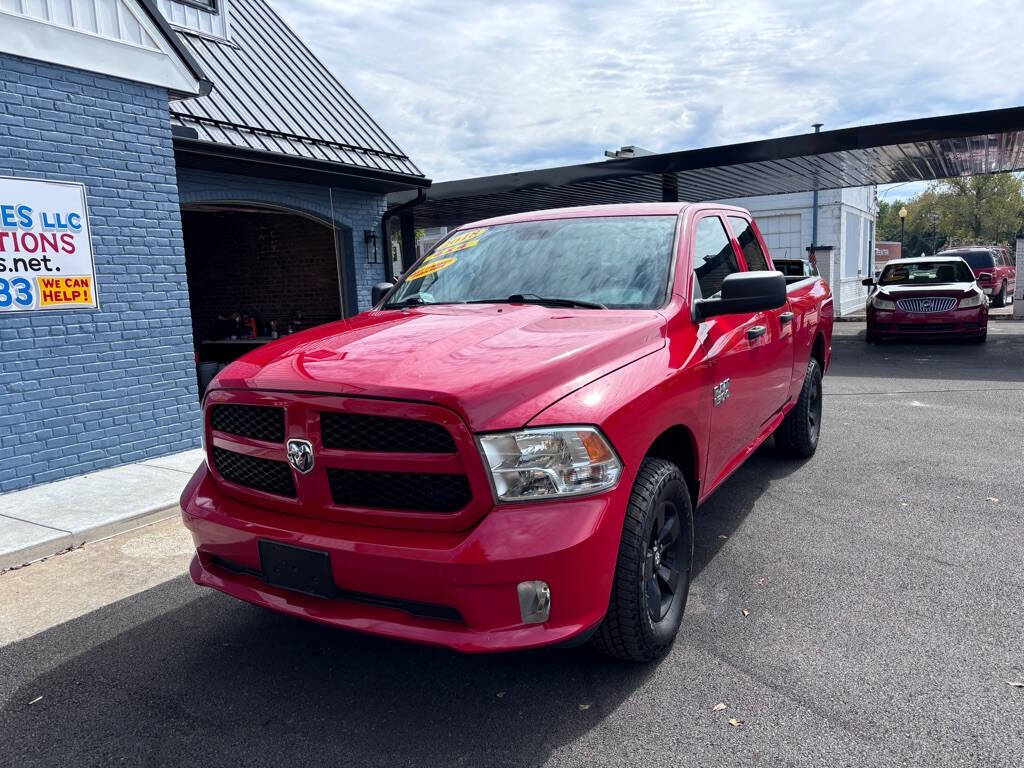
<point x="927" y="304"/>
<point x="254" y="421"/>
<point x="360" y="432"/>
<point x="399" y="490"/>
<point x="929" y="328"/>
<point x="252" y="472"/>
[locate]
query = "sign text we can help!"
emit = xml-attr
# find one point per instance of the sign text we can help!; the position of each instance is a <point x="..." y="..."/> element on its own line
<point x="46" y="259"/>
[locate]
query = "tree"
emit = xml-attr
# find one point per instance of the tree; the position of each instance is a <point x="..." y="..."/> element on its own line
<point x="973" y="210"/>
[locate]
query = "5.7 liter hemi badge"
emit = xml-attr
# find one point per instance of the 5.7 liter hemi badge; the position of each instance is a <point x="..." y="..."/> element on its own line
<point x="721" y="392"/>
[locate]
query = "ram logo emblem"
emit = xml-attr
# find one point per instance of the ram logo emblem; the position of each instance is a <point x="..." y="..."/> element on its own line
<point x="721" y="392"/>
<point x="300" y="455"/>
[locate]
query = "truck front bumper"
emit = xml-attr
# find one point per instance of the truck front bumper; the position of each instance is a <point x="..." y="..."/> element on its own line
<point x="451" y="589"/>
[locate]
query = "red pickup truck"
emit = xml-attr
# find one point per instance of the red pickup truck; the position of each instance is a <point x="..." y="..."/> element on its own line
<point x="506" y="452"/>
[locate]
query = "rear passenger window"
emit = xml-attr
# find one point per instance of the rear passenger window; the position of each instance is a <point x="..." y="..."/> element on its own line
<point x="713" y="256"/>
<point x="756" y="262"/>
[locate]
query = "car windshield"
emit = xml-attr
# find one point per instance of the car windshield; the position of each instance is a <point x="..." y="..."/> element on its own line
<point x="978" y="259"/>
<point x="618" y="262"/>
<point x="926" y="273"/>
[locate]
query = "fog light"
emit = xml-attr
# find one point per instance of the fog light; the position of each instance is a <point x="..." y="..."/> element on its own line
<point x="534" y="601"/>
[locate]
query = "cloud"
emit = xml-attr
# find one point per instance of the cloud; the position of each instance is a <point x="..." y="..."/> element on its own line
<point x="473" y="88"/>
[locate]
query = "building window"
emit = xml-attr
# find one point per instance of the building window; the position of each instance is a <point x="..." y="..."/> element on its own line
<point x="210" y="6"/>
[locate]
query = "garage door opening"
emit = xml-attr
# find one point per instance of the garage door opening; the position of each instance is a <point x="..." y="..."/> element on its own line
<point x="256" y="274"/>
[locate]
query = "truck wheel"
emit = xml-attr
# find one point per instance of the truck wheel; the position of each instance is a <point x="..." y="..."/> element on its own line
<point x="652" y="573"/>
<point x="999" y="299"/>
<point x="798" y="433"/>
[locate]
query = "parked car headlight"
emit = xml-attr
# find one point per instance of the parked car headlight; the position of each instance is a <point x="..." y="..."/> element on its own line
<point x="974" y="300"/>
<point x="881" y="303"/>
<point x="546" y="462"/>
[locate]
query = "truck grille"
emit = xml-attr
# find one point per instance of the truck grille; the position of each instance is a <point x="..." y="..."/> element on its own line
<point x="360" y="432"/>
<point x="382" y="462"/>
<point x="252" y="472"/>
<point x="927" y="304"/>
<point x="254" y="421"/>
<point x="399" y="490"/>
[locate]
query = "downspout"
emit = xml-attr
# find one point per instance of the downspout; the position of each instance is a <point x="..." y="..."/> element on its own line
<point x="389" y="268"/>
<point x="814" y="220"/>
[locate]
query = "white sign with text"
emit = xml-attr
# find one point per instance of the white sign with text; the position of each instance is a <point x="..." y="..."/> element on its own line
<point x="46" y="259"/>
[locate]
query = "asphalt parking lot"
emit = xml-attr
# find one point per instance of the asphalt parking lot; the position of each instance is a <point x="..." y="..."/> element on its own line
<point x="862" y="608"/>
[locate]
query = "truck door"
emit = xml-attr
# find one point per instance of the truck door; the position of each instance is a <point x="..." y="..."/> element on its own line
<point x="730" y="342"/>
<point x="773" y="352"/>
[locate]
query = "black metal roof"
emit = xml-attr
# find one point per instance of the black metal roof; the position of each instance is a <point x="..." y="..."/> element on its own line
<point x="272" y="97"/>
<point x="911" y="150"/>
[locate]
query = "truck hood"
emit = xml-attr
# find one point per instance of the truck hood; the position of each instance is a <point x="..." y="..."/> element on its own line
<point x="496" y="365"/>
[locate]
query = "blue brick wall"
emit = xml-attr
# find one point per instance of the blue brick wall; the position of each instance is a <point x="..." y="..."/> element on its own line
<point x="356" y="210"/>
<point x="80" y="391"/>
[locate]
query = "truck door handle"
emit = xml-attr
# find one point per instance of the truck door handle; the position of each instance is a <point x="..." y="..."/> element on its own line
<point x="785" y="317"/>
<point x="755" y="331"/>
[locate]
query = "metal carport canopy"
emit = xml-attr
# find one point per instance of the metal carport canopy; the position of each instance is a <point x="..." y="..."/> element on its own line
<point x="909" y="150"/>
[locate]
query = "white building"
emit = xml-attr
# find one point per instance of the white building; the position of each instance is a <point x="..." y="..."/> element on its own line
<point x="846" y="221"/>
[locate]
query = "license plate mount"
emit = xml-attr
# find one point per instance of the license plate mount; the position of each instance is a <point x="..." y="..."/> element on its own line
<point x="298" y="569"/>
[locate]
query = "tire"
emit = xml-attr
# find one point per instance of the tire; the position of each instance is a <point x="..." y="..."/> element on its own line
<point x="649" y="590"/>
<point x="872" y="338"/>
<point x="1000" y="301"/>
<point x="798" y="434"/>
<point x="980" y="339"/>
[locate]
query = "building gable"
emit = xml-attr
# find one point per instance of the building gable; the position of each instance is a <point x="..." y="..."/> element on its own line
<point x="121" y="38"/>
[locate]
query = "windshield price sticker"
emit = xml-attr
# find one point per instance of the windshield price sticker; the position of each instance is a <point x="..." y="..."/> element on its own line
<point x="46" y="259"/>
<point x="460" y="242"/>
<point x="429" y="269"/>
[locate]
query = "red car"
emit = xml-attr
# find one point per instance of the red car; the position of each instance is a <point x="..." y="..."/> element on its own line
<point x="506" y="452"/>
<point x="934" y="296"/>
<point x="994" y="270"/>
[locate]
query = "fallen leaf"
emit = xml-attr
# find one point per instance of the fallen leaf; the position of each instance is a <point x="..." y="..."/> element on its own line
<point x="722" y="536"/>
<point x="746" y="613"/>
<point x="993" y="499"/>
<point x="1015" y="683"/>
<point x="36" y="700"/>
<point x="904" y="504"/>
<point x="584" y="707"/>
<point x="735" y="723"/>
<point x="501" y="694"/>
<point x="718" y="707"/>
<point x="762" y="582"/>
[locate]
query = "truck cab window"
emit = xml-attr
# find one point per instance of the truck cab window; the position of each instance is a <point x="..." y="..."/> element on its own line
<point x="756" y="262"/>
<point x="713" y="256"/>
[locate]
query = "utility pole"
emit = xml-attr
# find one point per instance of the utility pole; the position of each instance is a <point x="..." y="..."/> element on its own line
<point x="934" y="217"/>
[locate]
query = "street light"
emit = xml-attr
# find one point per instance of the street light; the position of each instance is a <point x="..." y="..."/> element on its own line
<point x="903" y="224"/>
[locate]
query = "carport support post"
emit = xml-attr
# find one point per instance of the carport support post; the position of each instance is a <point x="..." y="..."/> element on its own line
<point x="814" y="218"/>
<point x="669" y="188"/>
<point x="407" y="225"/>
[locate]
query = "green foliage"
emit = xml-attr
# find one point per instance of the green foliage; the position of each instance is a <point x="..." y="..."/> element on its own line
<point x="970" y="210"/>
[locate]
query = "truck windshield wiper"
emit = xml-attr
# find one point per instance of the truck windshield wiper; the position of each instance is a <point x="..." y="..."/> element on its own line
<point x="533" y="298"/>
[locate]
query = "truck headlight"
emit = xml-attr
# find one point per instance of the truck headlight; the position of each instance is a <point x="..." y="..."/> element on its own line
<point x="883" y="304"/>
<point x="547" y="462"/>
<point x="974" y="300"/>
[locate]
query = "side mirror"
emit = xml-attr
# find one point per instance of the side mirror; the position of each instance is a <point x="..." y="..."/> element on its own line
<point x="868" y="281"/>
<point x="379" y="291"/>
<point x="745" y="292"/>
<point x="984" y="275"/>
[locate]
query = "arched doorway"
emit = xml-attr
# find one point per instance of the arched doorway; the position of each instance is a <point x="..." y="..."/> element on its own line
<point x="257" y="272"/>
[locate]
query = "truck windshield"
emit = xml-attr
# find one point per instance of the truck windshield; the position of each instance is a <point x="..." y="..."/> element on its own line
<point x="620" y="262"/>
<point x="926" y="273"/>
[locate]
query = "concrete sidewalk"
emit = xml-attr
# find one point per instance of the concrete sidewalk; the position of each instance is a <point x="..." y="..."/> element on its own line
<point x="47" y="519"/>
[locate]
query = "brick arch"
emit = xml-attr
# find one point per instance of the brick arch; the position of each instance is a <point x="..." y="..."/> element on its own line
<point x="298" y="206"/>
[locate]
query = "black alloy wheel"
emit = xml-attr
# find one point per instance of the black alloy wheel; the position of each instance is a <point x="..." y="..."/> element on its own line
<point x="652" y="571"/>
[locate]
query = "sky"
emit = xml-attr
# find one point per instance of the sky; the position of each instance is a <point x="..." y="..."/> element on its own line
<point x="477" y="87"/>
